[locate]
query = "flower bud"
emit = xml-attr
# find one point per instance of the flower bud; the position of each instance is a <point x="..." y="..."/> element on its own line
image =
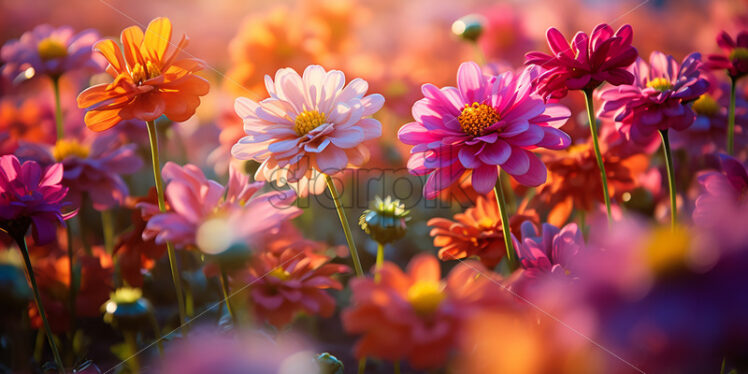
<point x="469" y="27"/>
<point x="386" y="221"/>
<point x="127" y="310"/>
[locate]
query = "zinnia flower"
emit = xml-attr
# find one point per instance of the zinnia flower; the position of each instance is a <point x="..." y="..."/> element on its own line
<point x="735" y="59"/>
<point x="26" y="120"/>
<point x="586" y="63"/>
<point x="30" y="195"/>
<point x="309" y="125"/>
<point x="487" y="121"/>
<point x="658" y="97"/>
<point x="149" y="81"/>
<point x="724" y="190"/>
<point x="550" y="251"/>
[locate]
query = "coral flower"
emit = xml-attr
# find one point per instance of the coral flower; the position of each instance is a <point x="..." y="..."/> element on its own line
<point x="658" y="97"/>
<point x="30" y="195"/>
<point x="149" y="80"/>
<point x="309" y="125"/>
<point x="417" y="316"/>
<point x="735" y="59"/>
<point x="586" y="63"/>
<point x="50" y="51"/>
<point x="723" y="190"/>
<point x="476" y="232"/>
<point x="135" y="255"/>
<point x="28" y="120"/>
<point x="485" y="123"/>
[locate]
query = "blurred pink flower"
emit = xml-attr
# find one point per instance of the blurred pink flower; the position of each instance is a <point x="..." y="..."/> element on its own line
<point x="735" y="59"/>
<point x="552" y="251"/>
<point x="586" y="63"/>
<point x="723" y="191"/>
<point x="308" y="125"/>
<point x="487" y="121"/>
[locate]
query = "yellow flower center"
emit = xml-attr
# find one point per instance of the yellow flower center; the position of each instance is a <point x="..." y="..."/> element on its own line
<point x="50" y="48"/>
<point x="739" y="53"/>
<point x="486" y="223"/>
<point x="667" y="248"/>
<point x="280" y="273"/>
<point x="69" y="148"/>
<point x="140" y="73"/>
<point x="706" y="105"/>
<point x="660" y="84"/>
<point x="308" y="120"/>
<point x="475" y="118"/>
<point x="425" y="296"/>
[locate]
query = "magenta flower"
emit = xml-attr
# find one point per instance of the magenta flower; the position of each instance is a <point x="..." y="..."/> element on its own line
<point x="586" y="63"/>
<point x="550" y="252"/>
<point x="30" y="195"/>
<point x="735" y="59"/>
<point x="50" y="51"/>
<point x="724" y="190"/>
<point x="487" y="121"/>
<point x="658" y="99"/>
<point x="309" y="125"/>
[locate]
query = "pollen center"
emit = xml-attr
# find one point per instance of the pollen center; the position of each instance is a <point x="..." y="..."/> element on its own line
<point x="476" y="118"/>
<point x="660" y="84"/>
<point x="142" y="73"/>
<point x="307" y="121"/>
<point x="279" y="273"/>
<point x="50" y="48"/>
<point x="706" y="105"/>
<point x="739" y="53"/>
<point x="69" y="148"/>
<point x="425" y="297"/>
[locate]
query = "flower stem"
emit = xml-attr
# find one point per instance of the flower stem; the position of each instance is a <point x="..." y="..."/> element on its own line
<point x="511" y="255"/>
<point x="21" y="241"/>
<point x="346" y="228"/>
<point x="731" y="119"/>
<point x="362" y="365"/>
<point x="598" y="156"/>
<point x="73" y="281"/>
<point x="396" y="367"/>
<point x="132" y="346"/>
<point x="107" y="225"/>
<point x="379" y="263"/>
<point x="226" y="295"/>
<point x="153" y="137"/>
<point x="670" y="177"/>
<point x="58" y="108"/>
<point x="156" y="332"/>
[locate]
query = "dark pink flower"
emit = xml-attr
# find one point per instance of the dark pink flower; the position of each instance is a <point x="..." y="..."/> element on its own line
<point x="586" y="63"/>
<point x="485" y="123"/>
<point x="550" y="252"/>
<point x="735" y="59"/>
<point x="30" y="195"/>
<point x="658" y="99"/>
<point x="724" y="190"/>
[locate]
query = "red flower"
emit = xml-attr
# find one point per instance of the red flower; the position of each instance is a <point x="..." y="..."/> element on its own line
<point x="735" y="59"/>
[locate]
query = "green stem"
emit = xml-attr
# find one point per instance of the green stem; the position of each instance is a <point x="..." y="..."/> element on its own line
<point x="73" y="284"/>
<point x="156" y="332"/>
<point x="362" y="365"/>
<point x="397" y="367"/>
<point x="132" y="346"/>
<point x="153" y="137"/>
<point x="511" y="255"/>
<point x="226" y="296"/>
<point x="598" y="156"/>
<point x="479" y="55"/>
<point x="21" y="241"/>
<point x="670" y="177"/>
<point x="107" y="225"/>
<point x="58" y="108"/>
<point x="731" y="119"/>
<point x="346" y="228"/>
<point x="379" y="263"/>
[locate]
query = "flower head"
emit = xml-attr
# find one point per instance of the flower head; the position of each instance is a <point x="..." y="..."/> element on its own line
<point x="723" y="190"/>
<point x="657" y="99"/>
<point x="485" y="123"/>
<point x="586" y="63"/>
<point x="735" y="57"/>
<point x="149" y="80"/>
<point x="386" y="221"/>
<point x="309" y="125"/>
<point x="27" y="120"/>
<point x="550" y="251"/>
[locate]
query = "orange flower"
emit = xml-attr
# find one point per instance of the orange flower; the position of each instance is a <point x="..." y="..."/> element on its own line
<point x="148" y="79"/>
<point x="24" y="120"/>
<point x="477" y="232"/>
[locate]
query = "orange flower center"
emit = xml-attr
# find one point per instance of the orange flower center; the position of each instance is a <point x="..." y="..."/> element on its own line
<point x="475" y="118"/>
<point x="706" y="105"/>
<point x="50" y="48"/>
<point x="69" y="148"/>
<point x="425" y="297"/>
<point x="142" y="73"/>
<point x="308" y="120"/>
<point x="660" y="84"/>
<point x="739" y="53"/>
<point x="280" y="273"/>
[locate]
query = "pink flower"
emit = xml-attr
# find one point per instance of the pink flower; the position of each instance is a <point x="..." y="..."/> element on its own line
<point x="735" y="59"/>
<point x="550" y="252"/>
<point x="309" y="125"/>
<point x="723" y="191"/>
<point x="658" y="99"/>
<point x="50" y="51"/>
<point x="30" y="195"/>
<point x="586" y="63"/>
<point x="487" y="121"/>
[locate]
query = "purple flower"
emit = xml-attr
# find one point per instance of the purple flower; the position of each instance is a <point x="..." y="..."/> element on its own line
<point x="735" y="59"/>
<point x="30" y="195"/>
<point x="723" y="191"/>
<point x="658" y="98"/>
<point x="586" y="63"/>
<point x="550" y="252"/>
<point x="485" y="123"/>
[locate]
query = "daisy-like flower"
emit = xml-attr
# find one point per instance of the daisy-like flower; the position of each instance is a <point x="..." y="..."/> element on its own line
<point x="49" y="51"/>
<point x="586" y="63"/>
<point x="416" y="315"/>
<point x="477" y="232"/>
<point x="657" y="99"/>
<point x="723" y="190"/>
<point x="27" y="120"/>
<point x="149" y="80"/>
<point x="310" y="124"/>
<point x="485" y="123"/>
<point x="31" y="196"/>
<point x="550" y="251"/>
<point x="735" y="58"/>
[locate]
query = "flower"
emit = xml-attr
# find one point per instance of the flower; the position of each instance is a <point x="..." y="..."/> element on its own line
<point x="658" y="97"/>
<point x="586" y="63"/>
<point x="416" y="315"/>
<point x="487" y="121"/>
<point x="723" y="190"/>
<point x="30" y="195"/>
<point x="551" y="251"/>
<point x="50" y="51"/>
<point x="735" y="59"/>
<point x="386" y="221"/>
<point x="26" y="120"/>
<point x="308" y="125"/>
<point x="148" y="81"/>
<point x="505" y="34"/>
<point x="127" y="310"/>
<point x="469" y="27"/>
<point x="476" y="232"/>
